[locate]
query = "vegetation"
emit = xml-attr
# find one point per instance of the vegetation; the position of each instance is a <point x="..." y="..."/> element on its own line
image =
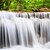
<point x="24" y="5"/>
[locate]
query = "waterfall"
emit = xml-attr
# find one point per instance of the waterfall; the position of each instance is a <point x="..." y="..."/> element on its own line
<point x="36" y="26"/>
<point x="27" y="28"/>
<point x="42" y="30"/>
<point x="8" y="33"/>
<point x="17" y="31"/>
<point x="24" y="29"/>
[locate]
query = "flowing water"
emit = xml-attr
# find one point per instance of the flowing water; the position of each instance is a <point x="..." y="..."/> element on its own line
<point x="24" y="30"/>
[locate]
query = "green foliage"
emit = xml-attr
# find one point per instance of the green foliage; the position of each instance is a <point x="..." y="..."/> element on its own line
<point x="24" y="5"/>
<point x="46" y="3"/>
<point x="13" y="5"/>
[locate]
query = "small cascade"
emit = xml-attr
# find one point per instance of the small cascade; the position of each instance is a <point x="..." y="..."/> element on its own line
<point x="42" y="30"/>
<point x="17" y="31"/>
<point x="24" y="29"/>
<point x="36" y="26"/>
<point x="8" y="33"/>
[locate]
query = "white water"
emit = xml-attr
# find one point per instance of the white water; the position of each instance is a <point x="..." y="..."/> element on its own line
<point x="24" y="32"/>
<point x="9" y="15"/>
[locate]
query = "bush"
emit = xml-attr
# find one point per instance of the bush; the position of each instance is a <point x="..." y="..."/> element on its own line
<point x="24" y="5"/>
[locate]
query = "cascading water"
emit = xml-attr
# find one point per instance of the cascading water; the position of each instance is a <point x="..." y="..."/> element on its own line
<point x="15" y="27"/>
<point x="22" y="32"/>
<point x="26" y="28"/>
<point x="36" y="26"/>
<point x="8" y="33"/>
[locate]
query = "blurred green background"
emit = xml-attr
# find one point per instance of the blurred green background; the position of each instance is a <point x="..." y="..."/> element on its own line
<point x="24" y="5"/>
